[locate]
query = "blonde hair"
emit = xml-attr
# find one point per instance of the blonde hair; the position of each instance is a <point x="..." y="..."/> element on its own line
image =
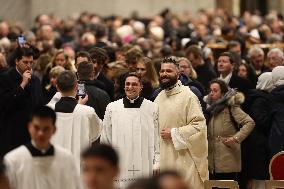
<point x="151" y="74"/>
<point x="118" y="68"/>
<point x="55" y="71"/>
<point x="67" y="66"/>
<point x="193" y="73"/>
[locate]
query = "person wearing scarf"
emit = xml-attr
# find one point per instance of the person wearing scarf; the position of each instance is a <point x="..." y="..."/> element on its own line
<point x="228" y="126"/>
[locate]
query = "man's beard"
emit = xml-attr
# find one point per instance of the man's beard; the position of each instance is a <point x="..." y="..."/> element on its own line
<point x="172" y="81"/>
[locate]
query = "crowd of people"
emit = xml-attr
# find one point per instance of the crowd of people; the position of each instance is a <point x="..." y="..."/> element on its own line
<point x="201" y="95"/>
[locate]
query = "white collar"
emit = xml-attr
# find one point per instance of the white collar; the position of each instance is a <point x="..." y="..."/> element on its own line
<point x="227" y="78"/>
<point x="42" y="150"/>
<point x="132" y="100"/>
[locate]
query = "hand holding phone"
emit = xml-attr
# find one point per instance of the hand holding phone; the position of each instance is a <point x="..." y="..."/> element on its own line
<point x="21" y="41"/>
<point x="81" y="92"/>
<point x="84" y="100"/>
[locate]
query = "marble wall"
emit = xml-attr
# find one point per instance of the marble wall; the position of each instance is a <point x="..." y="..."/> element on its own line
<point x="26" y="10"/>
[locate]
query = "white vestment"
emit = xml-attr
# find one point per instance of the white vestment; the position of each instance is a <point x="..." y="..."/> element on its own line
<point x="27" y="172"/>
<point x="133" y="132"/>
<point x="187" y="150"/>
<point x="76" y="131"/>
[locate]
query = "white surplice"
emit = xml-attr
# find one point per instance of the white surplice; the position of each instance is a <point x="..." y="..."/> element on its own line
<point x="133" y="132"/>
<point x="27" y="172"/>
<point x="76" y="131"/>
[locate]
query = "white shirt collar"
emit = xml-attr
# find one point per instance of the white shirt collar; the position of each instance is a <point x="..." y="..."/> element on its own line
<point x="227" y="78"/>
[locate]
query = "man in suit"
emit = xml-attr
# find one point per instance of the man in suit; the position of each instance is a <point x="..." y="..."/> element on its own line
<point x="225" y="67"/>
<point x="20" y="92"/>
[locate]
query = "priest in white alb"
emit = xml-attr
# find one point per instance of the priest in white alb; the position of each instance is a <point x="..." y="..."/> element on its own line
<point x="78" y="125"/>
<point x="39" y="164"/>
<point x="130" y="125"/>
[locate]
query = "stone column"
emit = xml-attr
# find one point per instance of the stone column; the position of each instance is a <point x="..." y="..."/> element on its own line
<point x="226" y="5"/>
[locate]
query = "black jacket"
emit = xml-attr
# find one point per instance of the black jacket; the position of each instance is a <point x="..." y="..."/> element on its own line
<point x="109" y="86"/>
<point x="205" y="74"/>
<point x="276" y="137"/>
<point x="97" y="98"/>
<point x="241" y="84"/>
<point x="16" y="105"/>
<point x="257" y="142"/>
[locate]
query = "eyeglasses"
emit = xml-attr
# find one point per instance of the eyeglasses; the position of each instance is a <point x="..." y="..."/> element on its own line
<point x="273" y="58"/>
<point x="184" y="67"/>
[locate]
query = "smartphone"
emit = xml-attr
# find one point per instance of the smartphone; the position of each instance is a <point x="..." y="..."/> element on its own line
<point x="81" y="90"/>
<point x="21" y="40"/>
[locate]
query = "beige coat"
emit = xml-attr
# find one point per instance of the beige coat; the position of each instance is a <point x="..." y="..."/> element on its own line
<point x="222" y="158"/>
<point x="179" y="108"/>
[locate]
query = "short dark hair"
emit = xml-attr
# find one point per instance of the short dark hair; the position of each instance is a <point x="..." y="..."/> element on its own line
<point x="66" y="81"/>
<point x="171" y="60"/>
<point x="44" y="112"/>
<point x="230" y="55"/>
<point x="23" y="51"/>
<point x="85" y="69"/>
<point x="98" y="55"/>
<point x="83" y="54"/>
<point x="195" y="50"/>
<point x="103" y="151"/>
<point x="233" y="44"/>
<point x="133" y="74"/>
<point x="166" y="51"/>
<point x="101" y="31"/>
<point x="223" y="86"/>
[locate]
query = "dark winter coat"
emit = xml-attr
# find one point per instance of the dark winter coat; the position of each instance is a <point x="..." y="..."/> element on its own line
<point x="276" y="137"/>
<point x="16" y="105"/>
<point x="257" y="143"/>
